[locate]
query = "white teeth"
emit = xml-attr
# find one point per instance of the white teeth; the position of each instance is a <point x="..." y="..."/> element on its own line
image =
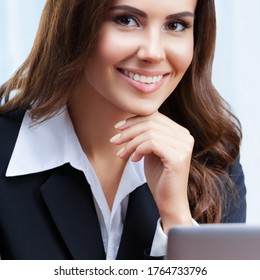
<point x="142" y="78"/>
<point x="131" y="75"/>
<point x="136" y="77"/>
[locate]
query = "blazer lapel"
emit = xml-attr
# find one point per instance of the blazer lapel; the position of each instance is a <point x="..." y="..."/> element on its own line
<point x="140" y="225"/>
<point x="69" y="200"/>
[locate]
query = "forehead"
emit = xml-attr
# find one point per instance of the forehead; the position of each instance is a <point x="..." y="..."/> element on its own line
<point x="158" y="6"/>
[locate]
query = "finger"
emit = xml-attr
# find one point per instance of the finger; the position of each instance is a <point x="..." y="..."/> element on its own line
<point x="171" y="157"/>
<point x="148" y="120"/>
<point x="138" y="129"/>
<point x="166" y="142"/>
<point x="148" y="126"/>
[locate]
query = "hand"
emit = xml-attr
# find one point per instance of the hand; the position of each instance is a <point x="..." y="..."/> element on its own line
<point x="167" y="149"/>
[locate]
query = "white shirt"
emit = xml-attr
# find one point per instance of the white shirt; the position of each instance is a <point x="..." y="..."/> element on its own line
<point x="53" y="143"/>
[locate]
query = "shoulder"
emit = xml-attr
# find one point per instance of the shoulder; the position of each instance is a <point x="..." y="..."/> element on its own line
<point x="236" y="209"/>
<point x="10" y="124"/>
<point x="11" y="121"/>
<point x="237" y="175"/>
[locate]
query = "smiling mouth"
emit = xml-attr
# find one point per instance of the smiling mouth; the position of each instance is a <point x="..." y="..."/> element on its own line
<point x="142" y="78"/>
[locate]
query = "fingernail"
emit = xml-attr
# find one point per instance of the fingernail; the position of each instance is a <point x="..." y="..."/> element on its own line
<point x="120" y="152"/>
<point x="120" y="124"/>
<point x="133" y="157"/>
<point x="116" y="137"/>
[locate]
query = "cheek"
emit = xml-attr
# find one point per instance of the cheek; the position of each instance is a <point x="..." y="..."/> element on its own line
<point x="180" y="56"/>
<point x="113" y="47"/>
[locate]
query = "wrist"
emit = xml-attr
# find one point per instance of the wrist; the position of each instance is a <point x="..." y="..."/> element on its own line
<point x="168" y="221"/>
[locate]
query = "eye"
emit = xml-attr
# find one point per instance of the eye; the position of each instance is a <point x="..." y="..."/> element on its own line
<point x="177" y="26"/>
<point x="126" y="20"/>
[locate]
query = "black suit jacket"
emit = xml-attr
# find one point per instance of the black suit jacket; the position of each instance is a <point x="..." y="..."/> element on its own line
<point x="51" y="215"/>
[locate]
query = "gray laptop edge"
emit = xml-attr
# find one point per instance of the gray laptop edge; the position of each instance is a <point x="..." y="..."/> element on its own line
<point x="214" y="242"/>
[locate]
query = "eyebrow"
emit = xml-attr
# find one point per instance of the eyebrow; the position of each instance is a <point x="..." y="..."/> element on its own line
<point x="180" y="15"/>
<point x="144" y="15"/>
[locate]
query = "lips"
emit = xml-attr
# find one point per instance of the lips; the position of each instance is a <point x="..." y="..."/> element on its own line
<point x="141" y="78"/>
<point x="144" y="81"/>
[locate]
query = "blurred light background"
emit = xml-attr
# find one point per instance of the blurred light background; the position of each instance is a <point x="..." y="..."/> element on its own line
<point x="236" y="69"/>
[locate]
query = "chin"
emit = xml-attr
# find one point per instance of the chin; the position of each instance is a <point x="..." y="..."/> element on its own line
<point x="144" y="111"/>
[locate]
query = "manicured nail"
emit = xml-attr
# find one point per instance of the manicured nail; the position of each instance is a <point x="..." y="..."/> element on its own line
<point x="120" y="152"/>
<point x="120" y="124"/>
<point x="116" y="137"/>
<point x="132" y="157"/>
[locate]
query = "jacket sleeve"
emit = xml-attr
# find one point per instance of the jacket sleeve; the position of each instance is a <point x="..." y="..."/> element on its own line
<point x="236" y="207"/>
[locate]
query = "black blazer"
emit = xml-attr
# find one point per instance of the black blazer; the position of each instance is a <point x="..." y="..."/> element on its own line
<point x="51" y="215"/>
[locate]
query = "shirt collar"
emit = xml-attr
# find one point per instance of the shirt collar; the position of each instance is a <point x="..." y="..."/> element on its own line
<point x="52" y="143"/>
<point x="44" y="146"/>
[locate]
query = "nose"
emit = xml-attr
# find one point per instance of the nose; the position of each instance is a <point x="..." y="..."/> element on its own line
<point x="151" y="48"/>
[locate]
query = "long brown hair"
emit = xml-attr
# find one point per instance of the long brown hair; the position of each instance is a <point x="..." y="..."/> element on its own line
<point x="66" y="36"/>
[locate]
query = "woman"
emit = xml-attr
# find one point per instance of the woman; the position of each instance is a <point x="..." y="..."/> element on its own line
<point x="116" y="133"/>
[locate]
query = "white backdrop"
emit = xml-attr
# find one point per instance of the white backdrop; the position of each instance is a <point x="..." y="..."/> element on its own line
<point x="236" y="69"/>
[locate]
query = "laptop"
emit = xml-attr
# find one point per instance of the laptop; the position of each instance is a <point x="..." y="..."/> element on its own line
<point x="214" y="242"/>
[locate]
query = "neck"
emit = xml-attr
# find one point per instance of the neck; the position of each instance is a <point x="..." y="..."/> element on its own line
<point x="94" y="118"/>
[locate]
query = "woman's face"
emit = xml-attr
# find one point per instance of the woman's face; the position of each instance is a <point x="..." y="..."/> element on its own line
<point x="143" y="49"/>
